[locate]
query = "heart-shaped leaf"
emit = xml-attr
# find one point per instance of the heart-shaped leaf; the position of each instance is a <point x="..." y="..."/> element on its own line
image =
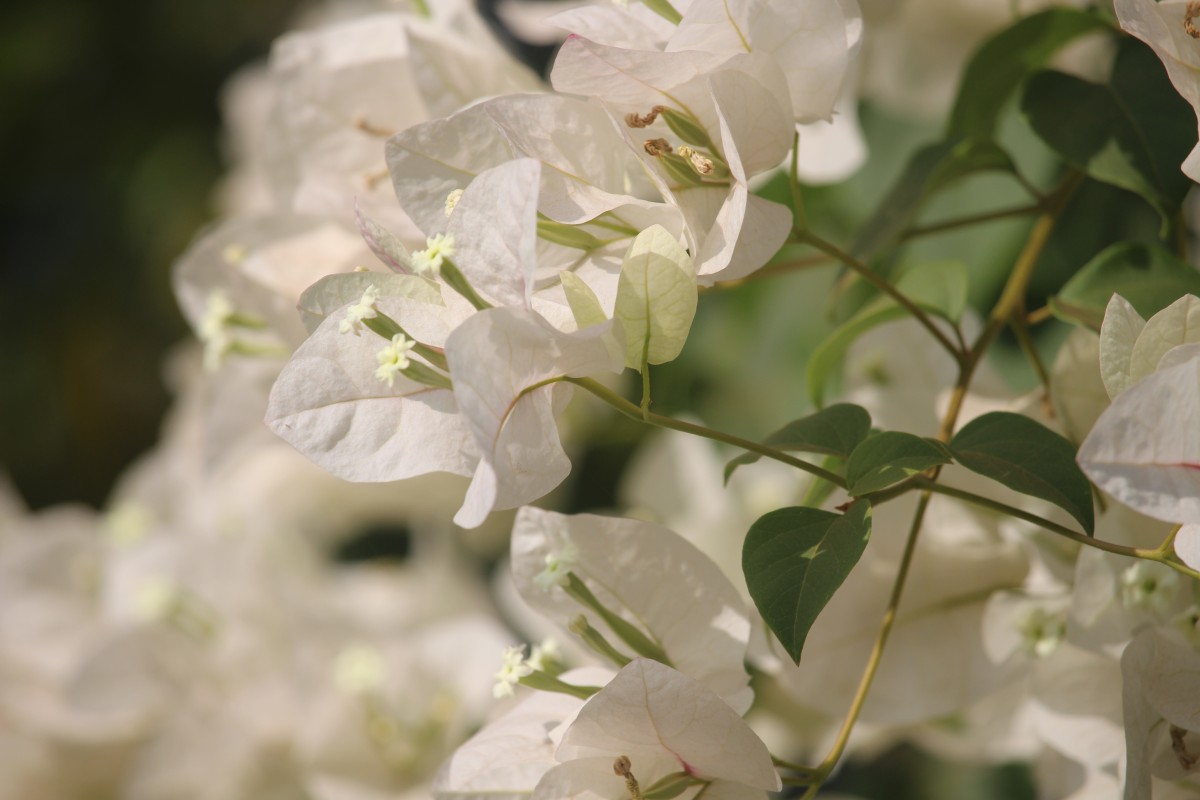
<point x="795" y="559"/>
<point x="1027" y="457"/>
<point x="888" y="458"/>
<point x="832" y="431"/>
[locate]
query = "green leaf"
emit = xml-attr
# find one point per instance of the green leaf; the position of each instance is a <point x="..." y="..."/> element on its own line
<point x="1148" y="276"/>
<point x="820" y="489"/>
<point x="585" y="306"/>
<point x="889" y="457"/>
<point x="1164" y="120"/>
<point x="939" y="288"/>
<point x="833" y="431"/>
<point x="795" y="559"/>
<point x="1127" y="133"/>
<point x="1005" y="60"/>
<point x="656" y="298"/>
<point x="932" y="168"/>
<point x="1027" y="457"/>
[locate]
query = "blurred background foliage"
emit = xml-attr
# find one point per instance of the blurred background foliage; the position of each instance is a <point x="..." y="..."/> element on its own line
<point x="110" y="142"/>
<point x="110" y="135"/>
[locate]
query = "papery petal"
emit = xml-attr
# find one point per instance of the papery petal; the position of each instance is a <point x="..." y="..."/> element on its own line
<point x="1118" y="332"/>
<point x="451" y="73"/>
<point x="334" y="292"/>
<point x="1187" y="545"/>
<point x="508" y="757"/>
<point x="812" y="42"/>
<point x="654" y="579"/>
<point x="494" y="227"/>
<point x="328" y="404"/>
<point x="1177" y="324"/>
<point x="651" y="709"/>
<point x="502" y="362"/>
<point x="634" y="27"/>
<point x="1145" y="448"/>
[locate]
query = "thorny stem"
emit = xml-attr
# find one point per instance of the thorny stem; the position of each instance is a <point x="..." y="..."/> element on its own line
<point x="633" y="411"/>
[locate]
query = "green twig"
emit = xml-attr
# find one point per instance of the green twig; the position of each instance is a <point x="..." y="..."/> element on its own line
<point x="633" y="411"/>
<point x="883" y="285"/>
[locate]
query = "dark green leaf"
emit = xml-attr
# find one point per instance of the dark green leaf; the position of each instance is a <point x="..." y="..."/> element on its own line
<point x="939" y="288"/>
<point x="835" y="431"/>
<point x="1028" y="458"/>
<point x="795" y="559"/>
<point x="820" y="489"/>
<point x="930" y="169"/>
<point x="1132" y="133"/>
<point x="1148" y="276"/>
<point x="889" y="457"/>
<point x="1164" y="120"/>
<point x="1004" y="61"/>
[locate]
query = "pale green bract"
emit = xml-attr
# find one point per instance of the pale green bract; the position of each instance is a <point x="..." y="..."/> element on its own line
<point x="656" y="298"/>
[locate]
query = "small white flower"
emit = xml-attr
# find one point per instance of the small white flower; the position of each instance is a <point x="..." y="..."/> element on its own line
<point x="393" y="358"/>
<point x="234" y="253"/>
<point x="127" y="523"/>
<point x="156" y="599"/>
<point x="452" y="201"/>
<point x="358" y="670"/>
<point x="429" y="261"/>
<point x="544" y="655"/>
<point x="511" y="673"/>
<point x="1149" y="586"/>
<point x="214" y="329"/>
<point x="363" y="309"/>
<point x="1041" y="631"/>
<point x="558" y="564"/>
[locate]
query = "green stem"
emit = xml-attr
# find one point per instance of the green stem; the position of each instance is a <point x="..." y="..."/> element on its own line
<point x="800" y="222"/>
<point x="665" y="10"/>
<point x="633" y="411"/>
<point x="1168" y="545"/>
<point x="1158" y="554"/>
<point x="873" y="661"/>
<point x="970" y="220"/>
<point x="421" y="8"/>
<point x="883" y="285"/>
<point x="1011" y="300"/>
<point x="1020" y="327"/>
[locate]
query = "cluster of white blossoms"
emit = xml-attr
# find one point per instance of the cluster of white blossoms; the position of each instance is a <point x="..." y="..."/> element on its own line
<point x="426" y="250"/>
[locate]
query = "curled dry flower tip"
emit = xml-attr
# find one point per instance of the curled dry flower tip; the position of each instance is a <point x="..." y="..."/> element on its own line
<point x="656" y="147"/>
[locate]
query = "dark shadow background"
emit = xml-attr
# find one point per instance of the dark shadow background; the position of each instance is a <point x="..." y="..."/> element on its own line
<point x="109" y="151"/>
<point x="109" y="136"/>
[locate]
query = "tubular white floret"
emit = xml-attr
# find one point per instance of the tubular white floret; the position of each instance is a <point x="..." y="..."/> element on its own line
<point x="393" y="358"/>
<point x="363" y="309"/>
